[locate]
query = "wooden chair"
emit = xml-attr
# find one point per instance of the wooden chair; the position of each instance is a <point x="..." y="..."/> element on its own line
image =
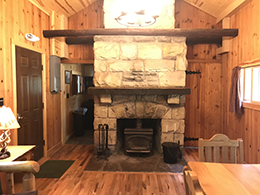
<point x="221" y="149"/>
<point x="27" y="167"/>
<point x="192" y="185"/>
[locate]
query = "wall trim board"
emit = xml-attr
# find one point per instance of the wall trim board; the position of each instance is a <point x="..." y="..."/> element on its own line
<point x="68" y="136"/>
<point x="203" y="61"/>
<point x="40" y="7"/>
<point x="62" y="100"/>
<point x="250" y="63"/>
<point x="44" y="63"/>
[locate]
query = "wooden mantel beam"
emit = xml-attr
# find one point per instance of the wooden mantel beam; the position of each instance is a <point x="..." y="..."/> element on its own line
<point x="190" y="40"/>
<point x="189" y="33"/>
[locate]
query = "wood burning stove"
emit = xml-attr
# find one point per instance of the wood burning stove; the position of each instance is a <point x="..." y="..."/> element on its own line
<point x="138" y="140"/>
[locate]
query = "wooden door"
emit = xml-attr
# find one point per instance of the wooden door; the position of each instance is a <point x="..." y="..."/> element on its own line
<point x="203" y="105"/>
<point x="29" y="99"/>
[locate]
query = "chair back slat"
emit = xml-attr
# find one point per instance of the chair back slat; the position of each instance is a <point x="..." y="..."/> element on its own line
<point x="216" y="154"/>
<point x="225" y="154"/>
<point x="240" y="151"/>
<point x="233" y="155"/>
<point x="201" y="150"/>
<point x="221" y="149"/>
<point x="208" y="154"/>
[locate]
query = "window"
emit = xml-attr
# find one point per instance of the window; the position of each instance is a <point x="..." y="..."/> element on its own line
<point x="250" y="84"/>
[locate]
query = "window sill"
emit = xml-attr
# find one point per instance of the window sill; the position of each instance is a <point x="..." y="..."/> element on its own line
<point x="251" y="106"/>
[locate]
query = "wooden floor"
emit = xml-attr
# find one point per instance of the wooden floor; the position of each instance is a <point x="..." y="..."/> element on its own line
<point x="77" y="181"/>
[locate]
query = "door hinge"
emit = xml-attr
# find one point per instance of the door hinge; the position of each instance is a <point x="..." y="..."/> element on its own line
<point x="42" y="105"/>
<point x="191" y="139"/>
<point x="192" y="72"/>
<point x="43" y="142"/>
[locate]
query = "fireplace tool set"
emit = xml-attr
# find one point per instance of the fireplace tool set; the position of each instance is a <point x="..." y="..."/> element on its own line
<point x="103" y="150"/>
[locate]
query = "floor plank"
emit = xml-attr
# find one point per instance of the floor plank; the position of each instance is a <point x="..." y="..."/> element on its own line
<point x="77" y="181"/>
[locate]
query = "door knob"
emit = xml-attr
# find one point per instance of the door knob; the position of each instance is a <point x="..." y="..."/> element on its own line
<point x="19" y="117"/>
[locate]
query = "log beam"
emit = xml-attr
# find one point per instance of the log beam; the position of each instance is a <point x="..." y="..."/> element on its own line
<point x="191" y="34"/>
<point x="79" y="40"/>
<point x="20" y="166"/>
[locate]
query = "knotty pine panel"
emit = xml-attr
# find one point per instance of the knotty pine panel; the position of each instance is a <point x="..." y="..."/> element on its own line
<point x="18" y="17"/>
<point x="203" y="105"/>
<point x="245" y="47"/>
<point x="190" y="17"/>
<point x="88" y="18"/>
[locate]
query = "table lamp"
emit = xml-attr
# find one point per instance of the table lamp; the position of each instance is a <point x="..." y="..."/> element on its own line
<point x="7" y="122"/>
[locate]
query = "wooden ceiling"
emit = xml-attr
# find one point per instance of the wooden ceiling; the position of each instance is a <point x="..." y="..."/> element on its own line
<point x="66" y="7"/>
<point x="217" y="8"/>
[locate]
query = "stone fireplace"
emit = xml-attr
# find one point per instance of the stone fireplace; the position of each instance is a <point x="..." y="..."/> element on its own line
<point x="138" y="76"/>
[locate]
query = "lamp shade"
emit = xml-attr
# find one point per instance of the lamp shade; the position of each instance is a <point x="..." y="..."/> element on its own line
<point x="7" y="119"/>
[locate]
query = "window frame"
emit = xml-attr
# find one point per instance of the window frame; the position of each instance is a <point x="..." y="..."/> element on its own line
<point x="245" y="102"/>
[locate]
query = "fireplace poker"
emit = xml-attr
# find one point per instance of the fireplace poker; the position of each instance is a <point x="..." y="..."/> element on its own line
<point x="103" y="140"/>
<point x="107" y="151"/>
<point x="99" y="147"/>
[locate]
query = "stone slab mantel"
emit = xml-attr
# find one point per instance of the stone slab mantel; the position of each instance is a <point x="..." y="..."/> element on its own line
<point x="138" y="91"/>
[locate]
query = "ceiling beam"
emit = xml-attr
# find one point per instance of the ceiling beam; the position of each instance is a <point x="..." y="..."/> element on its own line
<point x="189" y="33"/>
<point x="193" y="36"/>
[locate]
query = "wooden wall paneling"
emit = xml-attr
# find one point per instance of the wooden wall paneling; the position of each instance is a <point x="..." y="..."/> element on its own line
<point x="203" y="105"/>
<point x="248" y="135"/>
<point x="202" y="99"/>
<point x="177" y="13"/>
<point x="16" y="19"/>
<point x="88" y="18"/>
<point x="49" y="102"/>
<point x="224" y="115"/>
<point x="26" y="19"/>
<point x="2" y="50"/>
<point x="244" y="47"/>
<point x="201" y="48"/>
<point x="188" y="16"/>
<point x="58" y="45"/>
<point x="255" y="129"/>
<point x="198" y="102"/>
<point x="215" y="97"/>
<point x="22" y="21"/>
<point x="187" y="110"/>
<point x="10" y="32"/>
<point x="257" y="137"/>
<point x="57" y="120"/>
<point x="190" y="129"/>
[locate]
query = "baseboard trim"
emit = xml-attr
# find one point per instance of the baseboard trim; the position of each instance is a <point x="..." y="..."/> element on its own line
<point x="54" y="149"/>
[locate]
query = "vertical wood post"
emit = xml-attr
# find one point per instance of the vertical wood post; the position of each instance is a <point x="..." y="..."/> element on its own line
<point x="28" y="182"/>
<point x="10" y="183"/>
